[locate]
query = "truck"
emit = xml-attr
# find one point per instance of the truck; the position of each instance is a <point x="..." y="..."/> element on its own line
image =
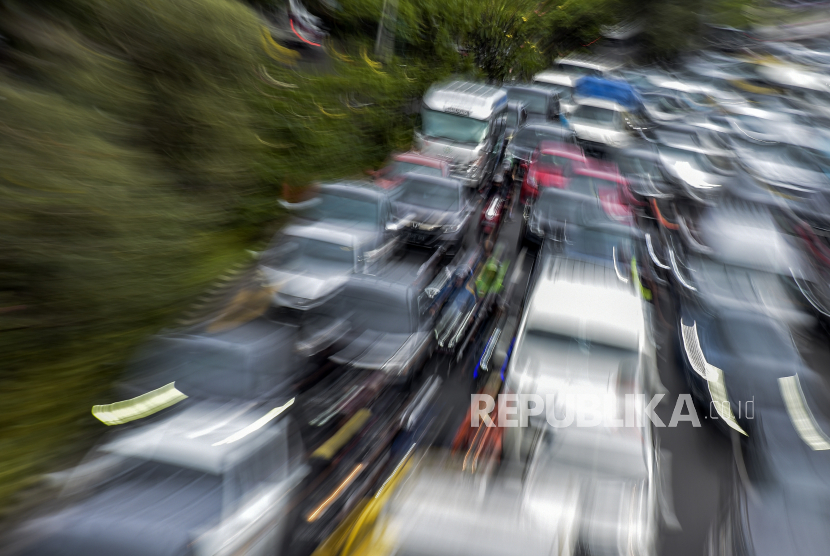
<point x="465" y="122"/>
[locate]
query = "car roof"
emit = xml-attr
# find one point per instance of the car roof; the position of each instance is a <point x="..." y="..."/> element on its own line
<point x="577" y="298"/>
<point x="569" y="150"/>
<point x="607" y="171"/>
<point x="206" y="437"/>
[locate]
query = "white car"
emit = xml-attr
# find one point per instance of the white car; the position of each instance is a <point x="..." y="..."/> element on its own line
<point x="586" y="329"/>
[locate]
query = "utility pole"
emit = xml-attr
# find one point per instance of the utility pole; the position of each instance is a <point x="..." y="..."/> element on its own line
<point x="385" y="43"/>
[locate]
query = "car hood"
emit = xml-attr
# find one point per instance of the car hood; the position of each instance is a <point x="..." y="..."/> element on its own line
<point x="426" y="218"/>
<point x="374" y="350"/>
<point x="774" y="173"/>
<point x="304" y="285"/>
<point x="149" y="517"/>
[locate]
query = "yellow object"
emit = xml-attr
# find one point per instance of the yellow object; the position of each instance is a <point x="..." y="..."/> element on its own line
<point x="283" y="55"/>
<point x="359" y="534"/>
<point x="636" y="276"/>
<point x="329" y="114"/>
<point x="139" y="407"/>
<point x="372" y="64"/>
<point x="351" y="428"/>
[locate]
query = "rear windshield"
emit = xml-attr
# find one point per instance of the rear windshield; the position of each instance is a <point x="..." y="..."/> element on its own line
<point x="530" y="137"/>
<point x="401" y="168"/>
<point x="535" y="102"/>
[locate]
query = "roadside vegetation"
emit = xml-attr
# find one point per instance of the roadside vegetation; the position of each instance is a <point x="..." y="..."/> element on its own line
<point x="144" y="147"/>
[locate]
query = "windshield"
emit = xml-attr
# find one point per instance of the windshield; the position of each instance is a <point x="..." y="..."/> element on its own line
<point x="552" y="162"/>
<point x="345" y="209"/>
<point x="535" y="102"/>
<point x="310" y="255"/>
<point x="530" y="137"/>
<point x="593" y="115"/>
<point x="640" y="167"/>
<point x="460" y="129"/>
<point x="428" y="195"/>
<point x="584" y="185"/>
<point x="387" y="313"/>
<point x="785" y="154"/>
<point x="401" y="168"/>
<point x="604" y="245"/>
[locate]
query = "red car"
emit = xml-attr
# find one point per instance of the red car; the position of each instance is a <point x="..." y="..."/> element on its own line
<point x="550" y="166"/>
<point x="391" y="175"/>
<point x="605" y="181"/>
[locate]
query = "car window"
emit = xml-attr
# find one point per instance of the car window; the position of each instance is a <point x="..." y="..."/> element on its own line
<point x="332" y="207"/>
<point x="381" y="310"/>
<point x="553" y="161"/>
<point x="594" y="115"/>
<point x="535" y="102"/>
<point x="428" y="195"/>
<point x="401" y="168"/>
<point x="305" y="254"/>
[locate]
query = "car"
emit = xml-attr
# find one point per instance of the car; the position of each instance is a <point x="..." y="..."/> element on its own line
<point x="781" y="469"/>
<point x="730" y="359"/>
<point x="433" y="212"/>
<point x="698" y="163"/>
<point x="212" y="479"/>
<point x="609" y="114"/>
<point x="582" y="322"/>
<point x="516" y="119"/>
<point x="399" y="165"/>
<point x="541" y="104"/>
<point x="306" y="265"/>
<point x="390" y="327"/>
<point x="785" y="157"/>
<point x="592" y="193"/>
<point x="526" y="141"/>
<point x="349" y="204"/>
<point x="247" y="361"/>
<point x="550" y="166"/>
<point x="736" y="257"/>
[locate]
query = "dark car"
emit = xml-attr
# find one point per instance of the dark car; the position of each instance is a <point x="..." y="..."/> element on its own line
<point x="255" y="360"/>
<point x="541" y="103"/>
<point x="780" y="502"/>
<point x="211" y="479"/>
<point x="736" y="257"/>
<point x="516" y="119"/>
<point x="520" y="150"/>
<point x="432" y="212"/>
<point x="732" y="360"/>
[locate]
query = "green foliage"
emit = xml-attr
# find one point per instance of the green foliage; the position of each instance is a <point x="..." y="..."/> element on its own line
<point x="502" y="39"/>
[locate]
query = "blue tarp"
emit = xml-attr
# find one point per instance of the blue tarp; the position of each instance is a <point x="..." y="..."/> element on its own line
<point x="617" y="91"/>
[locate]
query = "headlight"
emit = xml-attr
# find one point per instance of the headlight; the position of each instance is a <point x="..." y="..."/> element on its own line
<point x="451" y="228"/>
<point x="531" y="179"/>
